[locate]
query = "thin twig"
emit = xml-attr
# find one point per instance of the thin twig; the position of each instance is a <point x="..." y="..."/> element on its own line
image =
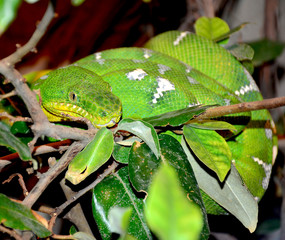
<point x="242" y="107"/>
<point x="21" y="182"/>
<point x="7" y="95"/>
<point x="22" y="89"/>
<point x="75" y="214"/>
<point x="15" y="119"/>
<point x="56" y="236"/>
<point x="52" y="173"/>
<point x="60" y="146"/>
<point x="60" y="209"/>
<point x="38" y="34"/>
<point x="12" y="233"/>
<point x="208" y="7"/>
<point x="41" y="126"/>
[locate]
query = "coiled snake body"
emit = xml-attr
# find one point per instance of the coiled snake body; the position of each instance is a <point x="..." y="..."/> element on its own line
<point x="175" y="70"/>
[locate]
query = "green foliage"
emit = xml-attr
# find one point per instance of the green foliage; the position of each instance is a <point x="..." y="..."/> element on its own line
<point x="8" y="139"/>
<point x="169" y="213"/>
<point x="242" y="51"/>
<point x="95" y="154"/>
<point x="225" y="36"/>
<point x="159" y="168"/>
<point x="212" y="125"/>
<point x="116" y="191"/>
<point x="77" y="2"/>
<point x="143" y="165"/>
<point x="121" y="153"/>
<point x="211" y="28"/>
<point x="119" y="219"/>
<point x="232" y="195"/>
<point x="8" y="12"/>
<point x="210" y="148"/>
<point x="82" y="236"/>
<point x="17" y="216"/>
<point x="266" y="50"/>
<point x="176" y="118"/>
<point x="143" y="130"/>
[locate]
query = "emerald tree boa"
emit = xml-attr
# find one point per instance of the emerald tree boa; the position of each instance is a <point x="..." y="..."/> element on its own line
<point x="173" y="71"/>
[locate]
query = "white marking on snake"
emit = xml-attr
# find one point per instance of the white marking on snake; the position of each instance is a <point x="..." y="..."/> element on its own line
<point x="268" y="133"/>
<point x="251" y="87"/>
<point x="180" y="37"/>
<point x="193" y="104"/>
<point x="162" y="68"/>
<point x="44" y="77"/>
<point x="192" y="80"/>
<point x="227" y="101"/>
<point x="267" y="169"/>
<point x="138" y="60"/>
<point x="147" y="53"/>
<point x="98" y="57"/>
<point x="137" y="74"/>
<point x="163" y="86"/>
<point x="187" y="67"/>
<point x="188" y="70"/>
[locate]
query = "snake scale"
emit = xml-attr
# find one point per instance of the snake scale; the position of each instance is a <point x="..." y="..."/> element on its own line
<point x="173" y="71"/>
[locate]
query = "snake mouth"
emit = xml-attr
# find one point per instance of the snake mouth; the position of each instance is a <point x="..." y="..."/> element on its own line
<point x="63" y="111"/>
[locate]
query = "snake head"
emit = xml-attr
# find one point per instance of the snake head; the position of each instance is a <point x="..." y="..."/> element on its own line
<point x="77" y="92"/>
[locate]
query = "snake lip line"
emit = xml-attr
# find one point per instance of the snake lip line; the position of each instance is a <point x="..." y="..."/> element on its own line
<point x="59" y="108"/>
<point x="72" y="110"/>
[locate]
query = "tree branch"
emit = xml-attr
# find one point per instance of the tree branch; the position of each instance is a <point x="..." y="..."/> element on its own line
<point x="12" y="233"/>
<point x="47" y="177"/>
<point x="60" y="209"/>
<point x="242" y="107"/>
<point x="30" y="45"/>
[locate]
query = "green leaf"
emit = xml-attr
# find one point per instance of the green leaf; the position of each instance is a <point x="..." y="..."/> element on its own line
<point x="129" y="141"/>
<point x="119" y="219"/>
<point x="176" y="118"/>
<point x="143" y="165"/>
<point x="72" y="230"/>
<point x="232" y="194"/>
<point x="241" y="51"/>
<point x="212" y="207"/>
<point x="8" y="12"/>
<point x="20" y="127"/>
<point x="170" y="215"/>
<point x="83" y="236"/>
<point x="248" y="66"/>
<point x="17" y="216"/>
<point x="211" y="28"/>
<point x="212" y="125"/>
<point x="210" y="148"/>
<point x="266" y="50"/>
<point x="229" y="33"/>
<point x="77" y="2"/>
<point x="121" y="153"/>
<point x="9" y="140"/>
<point x="143" y="130"/>
<point x="116" y="191"/>
<point x="93" y="156"/>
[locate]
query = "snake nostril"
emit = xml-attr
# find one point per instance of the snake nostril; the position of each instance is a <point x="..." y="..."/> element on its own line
<point x="73" y="96"/>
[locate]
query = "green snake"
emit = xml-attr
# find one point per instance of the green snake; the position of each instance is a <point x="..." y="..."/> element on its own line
<point x="173" y="71"/>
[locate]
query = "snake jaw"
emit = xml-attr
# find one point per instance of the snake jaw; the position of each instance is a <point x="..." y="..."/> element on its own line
<point x="57" y="111"/>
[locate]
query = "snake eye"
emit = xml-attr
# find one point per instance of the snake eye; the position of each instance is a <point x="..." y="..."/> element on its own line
<point x="72" y="96"/>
